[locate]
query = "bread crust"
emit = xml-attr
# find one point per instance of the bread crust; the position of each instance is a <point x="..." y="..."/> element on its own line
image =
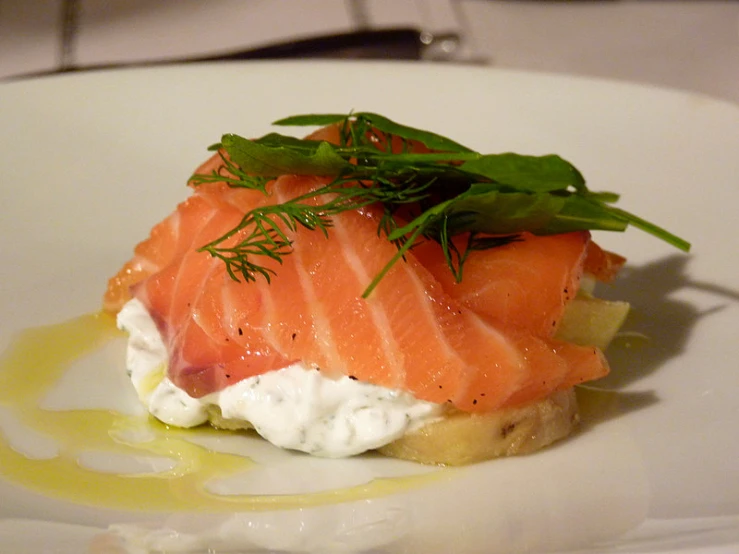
<point x="463" y="438"/>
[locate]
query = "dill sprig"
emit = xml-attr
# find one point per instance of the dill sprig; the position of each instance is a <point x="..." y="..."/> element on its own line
<point x="231" y="174"/>
<point x="450" y="190"/>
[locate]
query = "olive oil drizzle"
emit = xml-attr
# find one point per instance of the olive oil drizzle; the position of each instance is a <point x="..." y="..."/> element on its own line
<point x="34" y="362"/>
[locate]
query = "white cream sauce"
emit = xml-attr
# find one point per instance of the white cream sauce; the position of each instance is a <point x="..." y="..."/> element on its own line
<point x="296" y="407"/>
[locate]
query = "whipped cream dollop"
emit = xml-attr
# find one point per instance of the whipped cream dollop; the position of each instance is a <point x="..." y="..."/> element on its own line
<point x="295" y="407"/>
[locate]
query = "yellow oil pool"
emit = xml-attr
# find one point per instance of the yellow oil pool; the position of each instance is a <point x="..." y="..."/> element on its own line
<point x="32" y="365"/>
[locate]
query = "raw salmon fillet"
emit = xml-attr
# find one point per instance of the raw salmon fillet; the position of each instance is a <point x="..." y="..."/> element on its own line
<point x="479" y="345"/>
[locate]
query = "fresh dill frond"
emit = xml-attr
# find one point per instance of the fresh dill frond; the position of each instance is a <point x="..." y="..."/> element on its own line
<point x="232" y="175"/>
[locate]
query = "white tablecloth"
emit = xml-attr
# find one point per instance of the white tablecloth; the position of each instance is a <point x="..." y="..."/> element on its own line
<point x="688" y="45"/>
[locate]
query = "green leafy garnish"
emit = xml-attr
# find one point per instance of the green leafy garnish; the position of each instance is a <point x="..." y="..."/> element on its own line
<point x="365" y="120"/>
<point x="446" y="192"/>
<point x="527" y="173"/>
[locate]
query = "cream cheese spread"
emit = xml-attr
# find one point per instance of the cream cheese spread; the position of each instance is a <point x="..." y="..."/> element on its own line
<point x="296" y="407"/>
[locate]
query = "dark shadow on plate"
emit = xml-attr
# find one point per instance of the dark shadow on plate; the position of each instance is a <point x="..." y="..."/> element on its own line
<point x="659" y="325"/>
<point x="598" y="405"/>
<point x="657" y="330"/>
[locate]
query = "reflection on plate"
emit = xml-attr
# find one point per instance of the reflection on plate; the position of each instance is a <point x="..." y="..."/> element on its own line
<point x="91" y="161"/>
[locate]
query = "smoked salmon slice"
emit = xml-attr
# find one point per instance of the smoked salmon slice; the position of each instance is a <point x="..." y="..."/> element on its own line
<point x="474" y="345"/>
<point x="526" y="283"/>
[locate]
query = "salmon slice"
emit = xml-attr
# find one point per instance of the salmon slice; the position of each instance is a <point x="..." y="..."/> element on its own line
<point x="411" y="333"/>
<point x="167" y="240"/>
<point x="189" y="298"/>
<point x="526" y="283"/>
<point x="602" y="264"/>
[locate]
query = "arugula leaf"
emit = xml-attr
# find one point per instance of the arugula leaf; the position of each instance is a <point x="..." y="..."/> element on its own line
<point x="431" y="140"/>
<point x="652" y="229"/>
<point x="276" y="140"/>
<point x="319" y="119"/>
<point x="485" y="210"/>
<point x="271" y="161"/>
<point x="527" y="173"/>
<point x="381" y="123"/>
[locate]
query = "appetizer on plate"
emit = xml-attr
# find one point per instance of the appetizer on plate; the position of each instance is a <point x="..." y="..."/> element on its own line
<point x="374" y="286"/>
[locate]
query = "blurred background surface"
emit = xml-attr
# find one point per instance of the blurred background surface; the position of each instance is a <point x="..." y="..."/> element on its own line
<point x="688" y="45"/>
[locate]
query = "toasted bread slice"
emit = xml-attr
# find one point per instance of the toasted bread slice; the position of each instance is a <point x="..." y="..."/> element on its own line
<point x="462" y="438"/>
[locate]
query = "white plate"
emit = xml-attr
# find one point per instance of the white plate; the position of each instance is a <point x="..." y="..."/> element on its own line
<point x="89" y="162"/>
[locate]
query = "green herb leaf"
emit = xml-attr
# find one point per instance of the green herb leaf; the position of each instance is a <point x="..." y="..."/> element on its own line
<point x="270" y="161"/>
<point x="381" y="123"/>
<point x="527" y="173"/>
<point x="652" y="229"/>
<point x="317" y="120"/>
<point x="495" y="212"/>
<point x="431" y="140"/>
<point x="276" y="140"/>
<point x="499" y="213"/>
